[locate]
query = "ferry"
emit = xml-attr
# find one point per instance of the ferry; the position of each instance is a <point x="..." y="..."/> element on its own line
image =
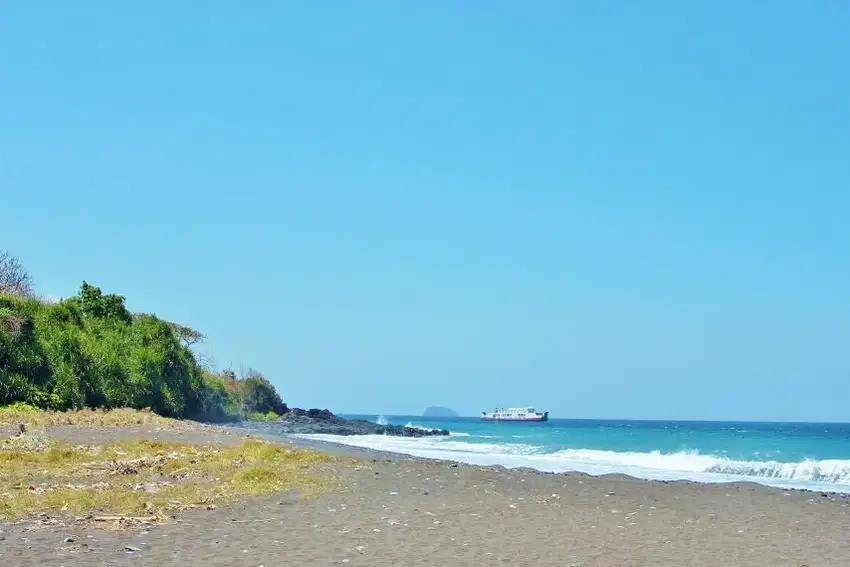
<point x="515" y="414"/>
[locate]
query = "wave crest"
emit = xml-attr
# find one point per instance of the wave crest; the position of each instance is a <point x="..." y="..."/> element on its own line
<point x="831" y="475"/>
<point x="831" y="471"/>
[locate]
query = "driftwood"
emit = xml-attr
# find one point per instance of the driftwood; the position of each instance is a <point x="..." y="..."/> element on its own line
<point x="139" y="519"/>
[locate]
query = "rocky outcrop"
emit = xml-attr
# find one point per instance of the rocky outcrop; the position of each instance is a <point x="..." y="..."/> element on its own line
<point x="324" y="422"/>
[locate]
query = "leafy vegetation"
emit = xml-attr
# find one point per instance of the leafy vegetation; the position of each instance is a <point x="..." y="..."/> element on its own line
<point x="89" y="351"/>
<point x="251" y="397"/>
<point x="89" y="361"/>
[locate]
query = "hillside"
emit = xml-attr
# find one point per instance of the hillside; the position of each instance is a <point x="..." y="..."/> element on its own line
<point x="90" y="351"/>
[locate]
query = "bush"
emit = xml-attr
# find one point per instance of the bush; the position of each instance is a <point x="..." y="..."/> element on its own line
<point x="19" y="407"/>
<point x="229" y="398"/>
<point x="218" y="403"/>
<point x="269" y="416"/>
<point x="261" y="396"/>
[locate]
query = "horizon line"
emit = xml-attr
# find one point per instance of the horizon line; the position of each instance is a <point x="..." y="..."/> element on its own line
<point x="625" y="419"/>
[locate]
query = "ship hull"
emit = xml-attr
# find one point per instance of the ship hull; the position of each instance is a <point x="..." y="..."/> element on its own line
<point x="535" y="419"/>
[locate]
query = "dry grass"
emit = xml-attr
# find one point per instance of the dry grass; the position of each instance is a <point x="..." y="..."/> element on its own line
<point x="153" y="479"/>
<point x="21" y="413"/>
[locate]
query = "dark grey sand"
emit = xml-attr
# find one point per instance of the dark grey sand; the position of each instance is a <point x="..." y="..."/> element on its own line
<point x="400" y="511"/>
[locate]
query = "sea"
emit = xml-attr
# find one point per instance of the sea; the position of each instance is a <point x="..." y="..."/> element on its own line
<point x="813" y="456"/>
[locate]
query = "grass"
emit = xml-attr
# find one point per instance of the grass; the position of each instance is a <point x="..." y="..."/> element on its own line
<point x="141" y="478"/>
<point x="270" y="416"/>
<point x="24" y="413"/>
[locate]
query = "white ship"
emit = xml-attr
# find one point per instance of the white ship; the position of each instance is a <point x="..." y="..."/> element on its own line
<point x="515" y="414"/>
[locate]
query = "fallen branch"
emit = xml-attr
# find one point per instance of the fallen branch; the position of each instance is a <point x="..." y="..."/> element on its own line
<point x="141" y="519"/>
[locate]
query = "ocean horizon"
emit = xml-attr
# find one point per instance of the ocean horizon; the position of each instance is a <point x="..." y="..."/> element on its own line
<point x="800" y="455"/>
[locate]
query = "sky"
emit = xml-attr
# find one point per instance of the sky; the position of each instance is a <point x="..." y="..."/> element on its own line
<point x="608" y="209"/>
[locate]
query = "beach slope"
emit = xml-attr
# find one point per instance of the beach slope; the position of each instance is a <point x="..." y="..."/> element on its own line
<point x="400" y="511"/>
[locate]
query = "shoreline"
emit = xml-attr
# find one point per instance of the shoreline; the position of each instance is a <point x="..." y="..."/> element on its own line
<point x="395" y="509"/>
<point x="342" y="449"/>
<point x="797" y="471"/>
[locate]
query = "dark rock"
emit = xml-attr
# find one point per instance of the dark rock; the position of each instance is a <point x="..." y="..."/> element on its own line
<point x="324" y="422"/>
<point x="320" y="414"/>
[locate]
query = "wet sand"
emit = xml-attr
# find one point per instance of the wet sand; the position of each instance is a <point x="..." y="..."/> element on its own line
<point x="401" y="511"/>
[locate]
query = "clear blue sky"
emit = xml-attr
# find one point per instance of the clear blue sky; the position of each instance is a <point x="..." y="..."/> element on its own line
<point x="605" y="209"/>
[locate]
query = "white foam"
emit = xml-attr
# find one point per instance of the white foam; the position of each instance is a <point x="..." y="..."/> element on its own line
<point x="825" y="475"/>
<point x="412" y="425"/>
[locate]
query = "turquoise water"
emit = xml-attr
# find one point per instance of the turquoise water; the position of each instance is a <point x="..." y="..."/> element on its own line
<point x="815" y="456"/>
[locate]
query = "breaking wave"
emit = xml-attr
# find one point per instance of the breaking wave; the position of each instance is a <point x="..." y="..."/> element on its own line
<point x="825" y="475"/>
<point x="412" y="425"/>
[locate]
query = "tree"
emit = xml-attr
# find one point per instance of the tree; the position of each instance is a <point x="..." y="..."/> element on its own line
<point x="109" y="306"/>
<point x="188" y="335"/>
<point x="14" y="279"/>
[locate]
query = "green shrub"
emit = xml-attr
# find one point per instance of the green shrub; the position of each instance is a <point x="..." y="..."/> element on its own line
<point x="19" y="407"/>
<point x="218" y="404"/>
<point x="269" y="416"/>
<point x="260" y="395"/>
<point x="90" y="351"/>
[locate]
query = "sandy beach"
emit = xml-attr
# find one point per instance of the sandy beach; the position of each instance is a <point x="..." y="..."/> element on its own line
<point x="400" y="511"/>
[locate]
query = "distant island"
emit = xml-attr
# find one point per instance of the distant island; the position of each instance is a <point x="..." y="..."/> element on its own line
<point x="437" y="411"/>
